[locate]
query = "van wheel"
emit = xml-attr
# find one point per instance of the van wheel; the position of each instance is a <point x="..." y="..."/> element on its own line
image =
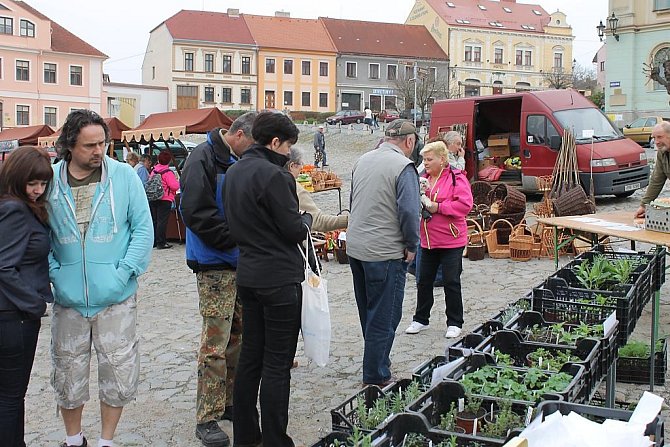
<point x="623" y="195"/>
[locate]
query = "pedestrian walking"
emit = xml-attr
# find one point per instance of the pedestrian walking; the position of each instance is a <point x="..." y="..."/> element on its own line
<point x="100" y="244"/>
<point x="382" y="238"/>
<point x="212" y="255"/>
<point x="320" y="148"/>
<point x="160" y="209"/>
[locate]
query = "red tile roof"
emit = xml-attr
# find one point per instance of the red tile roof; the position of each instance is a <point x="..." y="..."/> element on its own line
<point x="289" y="34"/>
<point x="62" y="40"/>
<point x="209" y="27"/>
<point x="382" y="39"/>
<point x="520" y="18"/>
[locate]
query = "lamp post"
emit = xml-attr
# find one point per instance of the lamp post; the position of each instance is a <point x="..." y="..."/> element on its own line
<point x="613" y="23"/>
<point x="448" y="91"/>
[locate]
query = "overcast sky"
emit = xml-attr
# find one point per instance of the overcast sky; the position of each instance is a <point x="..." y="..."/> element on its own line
<point x="120" y="28"/>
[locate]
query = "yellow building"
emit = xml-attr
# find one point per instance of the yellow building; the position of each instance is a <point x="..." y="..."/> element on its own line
<point x="498" y="46"/>
<point x="296" y="63"/>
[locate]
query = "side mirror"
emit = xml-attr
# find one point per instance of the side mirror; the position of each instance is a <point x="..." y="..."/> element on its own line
<point x="555" y="142"/>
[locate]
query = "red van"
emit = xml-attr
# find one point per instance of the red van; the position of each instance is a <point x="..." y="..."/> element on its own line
<point x="528" y="125"/>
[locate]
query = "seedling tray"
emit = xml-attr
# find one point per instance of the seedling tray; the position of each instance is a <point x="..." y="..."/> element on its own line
<point x="636" y="370"/>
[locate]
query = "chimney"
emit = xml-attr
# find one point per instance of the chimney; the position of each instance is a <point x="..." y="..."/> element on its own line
<point x="233" y="12"/>
<point x="282" y="14"/>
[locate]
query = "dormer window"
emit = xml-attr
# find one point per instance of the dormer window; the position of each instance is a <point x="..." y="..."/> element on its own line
<point x="506" y="9"/>
<point x="451" y="5"/>
<point x="6" y="25"/>
<point x="482" y="7"/>
<point x="27" y="28"/>
<point x="536" y="12"/>
<point x="462" y="21"/>
<point x="496" y="24"/>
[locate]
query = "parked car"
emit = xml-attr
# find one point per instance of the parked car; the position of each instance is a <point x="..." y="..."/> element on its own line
<point x="180" y="149"/>
<point x="640" y="129"/>
<point x="421" y="119"/>
<point x="346" y="117"/>
<point x="388" y="115"/>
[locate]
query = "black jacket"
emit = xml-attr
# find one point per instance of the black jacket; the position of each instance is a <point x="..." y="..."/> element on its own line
<point x="24" y="262"/>
<point x="261" y="207"/>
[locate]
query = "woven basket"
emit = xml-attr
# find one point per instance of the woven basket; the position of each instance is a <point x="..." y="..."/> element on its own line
<point x="521" y="243"/>
<point x="480" y="193"/>
<point x="496" y="250"/>
<point x="340" y="251"/>
<point x="504" y="232"/>
<point x="544" y="182"/>
<point x="548" y="247"/>
<point x="476" y="249"/>
<point x="480" y="213"/>
<point x="513" y="200"/>
<point x="574" y="202"/>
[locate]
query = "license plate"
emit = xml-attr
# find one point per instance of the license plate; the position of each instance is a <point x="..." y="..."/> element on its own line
<point x="631" y="187"/>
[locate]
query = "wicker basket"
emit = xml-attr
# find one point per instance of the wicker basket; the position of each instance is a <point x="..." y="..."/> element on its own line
<point x="574" y="202"/>
<point x="521" y="243"/>
<point x="497" y="250"/>
<point x="480" y="193"/>
<point x="548" y="247"/>
<point x="340" y="251"/>
<point x="513" y="200"/>
<point x="480" y="213"/>
<point x="476" y="248"/>
<point x="544" y="182"/>
<point x="504" y="232"/>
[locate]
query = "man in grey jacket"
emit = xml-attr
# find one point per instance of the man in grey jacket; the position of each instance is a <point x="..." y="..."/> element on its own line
<point x="661" y="134"/>
<point x="382" y="239"/>
<point x="320" y="148"/>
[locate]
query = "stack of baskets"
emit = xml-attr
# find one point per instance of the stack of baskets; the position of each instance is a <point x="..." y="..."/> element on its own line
<point x="521" y="243"/>
<point x="511" y="207"/>
<point x="496" y="249"/>
<point x="573" y="202"/>
<point x="476" y="248"/>
<point x="481" y="192"/>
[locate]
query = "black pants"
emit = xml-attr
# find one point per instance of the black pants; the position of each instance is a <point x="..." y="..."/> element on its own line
<point x="160" y="211"/>
<point x="270" y="321"/>
<point x="18" y="341"/>
<point x="451" y="261"/>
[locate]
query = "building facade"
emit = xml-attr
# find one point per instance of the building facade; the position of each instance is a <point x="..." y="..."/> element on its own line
<point x="205" y="59"/>
<point x="498" y="46"/>
<point x="132" y="103"/>
<point x="599" y="66"/>
<point x="45" y="71"/>
<point x="375" y="64"/>
<point x="643" y="43"/>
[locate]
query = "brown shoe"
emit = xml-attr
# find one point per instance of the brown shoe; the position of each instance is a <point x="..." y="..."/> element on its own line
<point x="295" y="364"/>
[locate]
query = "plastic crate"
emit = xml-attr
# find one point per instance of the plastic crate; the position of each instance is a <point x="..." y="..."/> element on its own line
<point x="599" y="414"/>
<point x="559" y="302"/>
<point x="658" y="273"/>
<point x="395" y="431"/>
<point x="345" y="418"/>
<point x="329" y="440"/>
<point x="636" y="370"/>
<point x="609" y="348"/>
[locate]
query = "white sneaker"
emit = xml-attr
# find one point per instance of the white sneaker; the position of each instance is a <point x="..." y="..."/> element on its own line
<point x="415" y="327"/>
<point x="453" y="332"/>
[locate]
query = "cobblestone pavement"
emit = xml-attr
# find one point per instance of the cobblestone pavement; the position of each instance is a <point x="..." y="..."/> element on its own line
<point x="169" y="326"/>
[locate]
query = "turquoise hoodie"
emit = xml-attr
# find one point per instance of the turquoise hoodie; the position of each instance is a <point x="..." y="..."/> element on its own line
<point x="92" y="274"/>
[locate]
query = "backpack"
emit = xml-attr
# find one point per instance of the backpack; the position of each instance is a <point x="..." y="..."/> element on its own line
<point x="154" y="187"/>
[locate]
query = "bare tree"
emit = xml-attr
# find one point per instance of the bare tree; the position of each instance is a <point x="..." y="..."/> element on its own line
<point x="558" y="78"/>
<point x="584" y="78"/>
<point x="428" y="85"/>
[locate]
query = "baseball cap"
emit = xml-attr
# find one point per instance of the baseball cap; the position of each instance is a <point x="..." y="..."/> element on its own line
<point x="320" y="126"/>
<point x="400" y="127"/>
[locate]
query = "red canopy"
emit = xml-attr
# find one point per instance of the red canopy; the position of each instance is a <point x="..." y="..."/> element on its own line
<point x="116" y="126"/>
<point x="26" y="135"/>
<point x="195" y="120"/>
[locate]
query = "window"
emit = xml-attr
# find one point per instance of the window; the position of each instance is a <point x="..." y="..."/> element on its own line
<point x="288" y="98"/>
<point x="351" y="69"/>
<point x="305" y="99"/>
<point x="153" y="72"/>
<point x="269" y="65"/>
<point x="22" y="115"/>
<point x="209" y="94"/>
<point x="524" y="57"/>
<point x="6" y="25"/>
<point x="558" y="60"/>
<point x="473" y="53"/>
<point x="26" y="28"/>
<point x="50" y="116"/>
<point x="323" y="99"/>
<point x="522" y="86"/>
<point x="539" y="130"/>
<point x="22" y="70"/>
<point x="390" y="102"/>
<point x="602" y="66"/>
<point x="432" y="74"/>
<point x="391" y="72"/>
<point x="306" y="68"/>
<point x="472" y="87"/>
<point x="188" y="61"/>
<point x="373" y="71"/>
<point x="75" y="75"/>
<point x="661" y="4"/>
<point x="498" y="56"/>
<point x="660" y="60"/>
<point x="209" y="63"/>
<point x="246" y="65"/>
<point x="227" y="95"/>
<point x="227" y="63"/>
<point x="323" y="68"/>
<point x="49" y="73"/>
<point x="245" y="96"/>
<point x="288" y="66"/>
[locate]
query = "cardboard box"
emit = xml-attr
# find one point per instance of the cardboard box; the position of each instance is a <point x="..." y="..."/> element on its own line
<point x="487" y="161"/>
<point x="498" y="145"/>
<point x="499" y="151"/>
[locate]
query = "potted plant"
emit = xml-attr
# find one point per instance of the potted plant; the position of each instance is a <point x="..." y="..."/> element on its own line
<point x="499" y="423"/>
<point x="472" y="416"/>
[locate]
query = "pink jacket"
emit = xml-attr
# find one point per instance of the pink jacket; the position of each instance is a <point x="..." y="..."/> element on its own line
<point x="447" y="227"/>
<point x="170" y="183"/>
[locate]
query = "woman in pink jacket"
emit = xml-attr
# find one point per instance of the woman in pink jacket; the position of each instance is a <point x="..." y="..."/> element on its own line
<point x="444" y="235"/>
<point x="160" y="209"/>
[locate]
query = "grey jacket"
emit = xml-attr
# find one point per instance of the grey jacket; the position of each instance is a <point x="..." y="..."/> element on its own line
<point x="319" y="140"/>
<point x="658" y="177"/>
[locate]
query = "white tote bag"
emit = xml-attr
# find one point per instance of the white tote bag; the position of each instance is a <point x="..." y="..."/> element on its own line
<point x="315" y="325"/>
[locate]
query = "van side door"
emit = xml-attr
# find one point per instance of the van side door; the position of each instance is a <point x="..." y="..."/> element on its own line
<point x="537" y="158"/>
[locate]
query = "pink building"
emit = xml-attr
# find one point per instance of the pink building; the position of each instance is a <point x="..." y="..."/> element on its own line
<point x="45" y="71"/>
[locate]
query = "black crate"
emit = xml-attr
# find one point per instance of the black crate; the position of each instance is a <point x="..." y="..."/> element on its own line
<point x="329" y="440"/>
<point x="395" y="431"/>
<point x="557" y="302"/>
<point x="424" y="372"/>
<point x="608" y="344"/>
<point x="599" y="414"/>
<point x="658" y="276"/>
<point x="345" y="418"/>
<point x="636" y="370"/>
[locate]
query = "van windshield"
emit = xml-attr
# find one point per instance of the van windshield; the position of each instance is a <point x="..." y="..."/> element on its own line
<point x="579" y="120"/>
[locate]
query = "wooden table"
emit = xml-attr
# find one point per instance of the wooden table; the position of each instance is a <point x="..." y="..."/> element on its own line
<point x="619" y="224"/>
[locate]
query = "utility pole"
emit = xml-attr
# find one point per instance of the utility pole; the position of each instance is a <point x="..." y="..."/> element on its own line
<point x="416" y="80"/>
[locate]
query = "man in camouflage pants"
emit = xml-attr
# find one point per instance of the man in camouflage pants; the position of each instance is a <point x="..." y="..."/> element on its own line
<point x="212" y="255"/>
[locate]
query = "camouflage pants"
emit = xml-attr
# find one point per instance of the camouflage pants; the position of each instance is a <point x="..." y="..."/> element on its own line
<point x="220" y="343"/>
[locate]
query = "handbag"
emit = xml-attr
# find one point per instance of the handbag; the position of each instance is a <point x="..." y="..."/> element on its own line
<point x="315" y="315"/>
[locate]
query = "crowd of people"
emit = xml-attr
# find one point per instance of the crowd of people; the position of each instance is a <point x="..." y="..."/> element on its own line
<point x="79" y="233"/>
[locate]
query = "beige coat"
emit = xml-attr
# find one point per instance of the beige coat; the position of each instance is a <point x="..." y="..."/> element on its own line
<point x="321" y="221"/>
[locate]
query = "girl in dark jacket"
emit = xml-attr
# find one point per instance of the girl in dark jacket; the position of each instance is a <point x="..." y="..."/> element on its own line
<point x="24" y="279"/>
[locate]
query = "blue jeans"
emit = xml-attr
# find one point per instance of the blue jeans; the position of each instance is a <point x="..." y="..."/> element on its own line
<point x="450" y="262"/>
<point x="415" y="269"/>
<point x="271" y="322"/>
<point x="379" y="288"/>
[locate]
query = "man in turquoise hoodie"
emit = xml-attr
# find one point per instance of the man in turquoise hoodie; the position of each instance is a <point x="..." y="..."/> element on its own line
<point x="101" y="240"/>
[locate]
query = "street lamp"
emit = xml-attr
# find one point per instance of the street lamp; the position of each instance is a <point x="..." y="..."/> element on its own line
<point x="601" y="30"/>
<point x="613" y="22"/>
